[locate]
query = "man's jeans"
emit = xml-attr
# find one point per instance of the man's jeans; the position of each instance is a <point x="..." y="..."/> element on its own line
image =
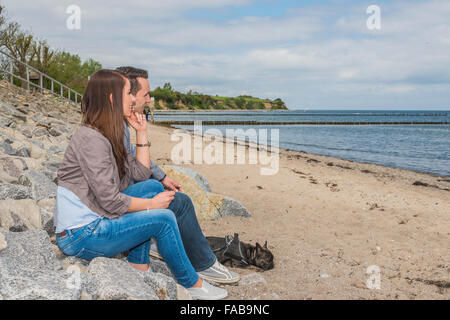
<point x="196" y="246"/>
<point x="133" y="231"/>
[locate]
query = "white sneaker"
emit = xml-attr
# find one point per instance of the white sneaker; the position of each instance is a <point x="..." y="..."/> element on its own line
<point x="219" y="273"/>
<point x="207" y="292"/>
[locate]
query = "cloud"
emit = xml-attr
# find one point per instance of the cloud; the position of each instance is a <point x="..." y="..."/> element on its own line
<point x="315" y="55"/>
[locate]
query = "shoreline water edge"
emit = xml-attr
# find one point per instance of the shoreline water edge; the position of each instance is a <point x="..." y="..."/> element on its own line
<point x="305" y="154"/>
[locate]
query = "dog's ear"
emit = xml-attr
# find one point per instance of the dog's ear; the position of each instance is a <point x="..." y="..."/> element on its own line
<point x="258" y="247"/>
<point x="265" y="245"/>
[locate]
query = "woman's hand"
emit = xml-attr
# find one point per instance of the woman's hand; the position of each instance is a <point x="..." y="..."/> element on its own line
<point x="137" y="121"/>
<point x="162" y="200"/>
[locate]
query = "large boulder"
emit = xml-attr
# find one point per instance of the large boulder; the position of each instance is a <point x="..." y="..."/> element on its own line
<point x="117" y="280"/>
<point x="208" y="205"/>
<point x="39" y="132"/>
<point x="6" y="121"/>
<point x="41" y="184"/>
<point x="29" y="269"/>
<point x="20" y="215"/>
<point x="11" y="111"/>
<point x="198" y="178"/>
<point x="6" y="148"/>
<point x="11" y="168"/>
<point x="224" y="206"/>
<point x="14" y="191"/>
<point x="46" y="208"/>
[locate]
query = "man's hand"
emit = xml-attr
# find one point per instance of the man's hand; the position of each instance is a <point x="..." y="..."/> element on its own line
<point x="137" y="121"/>
<point x="171" y="184"/>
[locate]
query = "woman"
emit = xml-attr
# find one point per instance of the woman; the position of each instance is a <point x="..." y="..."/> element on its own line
<point x="93" y="217"/>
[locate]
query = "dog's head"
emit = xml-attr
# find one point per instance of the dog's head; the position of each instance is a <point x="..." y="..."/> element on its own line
<point x="263" y="258"/>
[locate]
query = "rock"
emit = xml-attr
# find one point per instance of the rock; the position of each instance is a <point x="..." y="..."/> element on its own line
<point x="23" y="151"/>
<point x="18" y="225"/>
<point x="41" y="185"/>
<point x="37" y="152"/>
<point x="55" y="132"/>
<point x="8" y="110"/>
<point x="23" y="109"/>
<point x="39" y="132"/>
<point x="47" y="221"/>
<point x="29" y="269"/>
<point x="14" y="191"/>
<point x="159" y="266"/>
<point x="199" y="178"/>
<point x="63" y="127"/>
<point x="7" y="149"/>
<point x="67" y="261"/>
<point x="53" y="166"/>
<point x="117" y="280"/>
<point x="89" y="288"/>
<point x="164" y="286"/>
<point x="47" y="204"/>
<point x="56" y="149"/>
<point x="3" y="243"/>
<point x="5" y="122"/>
<point x="11" y="168"/>
<point x="26" y="131"/>
<point x="37" y="143"/>
<point x="20" y="215"/>
<point x="6" y="137"/>
<point x="40" y="120"/>
<point x="20" y="117"/>
<point x="207" y="205"/>
<point x="228" y="206"/>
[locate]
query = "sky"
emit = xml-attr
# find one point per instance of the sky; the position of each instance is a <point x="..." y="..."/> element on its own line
<point x="312" y="54"/>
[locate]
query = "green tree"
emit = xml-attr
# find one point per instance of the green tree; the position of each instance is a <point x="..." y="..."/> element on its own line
<point x="68" y="68"/>
<point x="60" y="65"/>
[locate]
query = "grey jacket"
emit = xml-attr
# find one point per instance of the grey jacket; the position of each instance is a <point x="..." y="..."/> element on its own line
<point x="89" y="170"/>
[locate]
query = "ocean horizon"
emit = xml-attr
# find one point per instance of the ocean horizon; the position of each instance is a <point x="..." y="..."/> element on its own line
<point x="417" y="147"/>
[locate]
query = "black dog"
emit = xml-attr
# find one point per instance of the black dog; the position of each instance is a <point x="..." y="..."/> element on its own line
<point x="230" y="249"/>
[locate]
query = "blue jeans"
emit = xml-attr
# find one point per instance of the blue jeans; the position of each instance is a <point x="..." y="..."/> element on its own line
<point x="196" y="246"/>
<point x="108" y="237"/>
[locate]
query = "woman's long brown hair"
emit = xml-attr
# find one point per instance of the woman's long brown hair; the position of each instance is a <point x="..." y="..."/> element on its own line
<point x="99" y="113"/>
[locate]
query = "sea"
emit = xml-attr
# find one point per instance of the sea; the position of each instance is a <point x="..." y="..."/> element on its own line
<point x="413" y="140"/>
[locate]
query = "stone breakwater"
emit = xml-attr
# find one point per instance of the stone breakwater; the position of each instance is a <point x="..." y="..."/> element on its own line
<point x="35" y="130"/>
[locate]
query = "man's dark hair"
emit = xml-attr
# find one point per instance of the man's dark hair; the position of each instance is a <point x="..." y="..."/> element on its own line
<point x="132" y="74"/>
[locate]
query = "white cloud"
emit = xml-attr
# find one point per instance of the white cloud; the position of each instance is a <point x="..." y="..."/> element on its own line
<point x="313" y="56"/>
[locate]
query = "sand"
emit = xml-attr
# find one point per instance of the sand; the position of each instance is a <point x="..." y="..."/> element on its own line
<point x="331" y="224"/>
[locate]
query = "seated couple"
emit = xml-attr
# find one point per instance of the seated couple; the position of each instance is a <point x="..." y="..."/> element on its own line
<point x="111" y="196"/>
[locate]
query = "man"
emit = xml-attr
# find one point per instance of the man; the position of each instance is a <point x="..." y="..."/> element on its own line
<point x="197" y="247"/>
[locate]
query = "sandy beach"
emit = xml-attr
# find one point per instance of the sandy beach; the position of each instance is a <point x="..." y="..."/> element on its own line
<point x="330" y="224"/>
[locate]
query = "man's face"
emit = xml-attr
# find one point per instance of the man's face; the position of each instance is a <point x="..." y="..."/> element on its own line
<point x="142" y="96"/>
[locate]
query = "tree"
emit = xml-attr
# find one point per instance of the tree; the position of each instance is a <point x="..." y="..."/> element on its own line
<point x="44" y="56"/>
<point x="22" y="47"/>
<point x="60" y="65"/>
<point x="69" y="69"/>
<point x="2" y="17"/>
